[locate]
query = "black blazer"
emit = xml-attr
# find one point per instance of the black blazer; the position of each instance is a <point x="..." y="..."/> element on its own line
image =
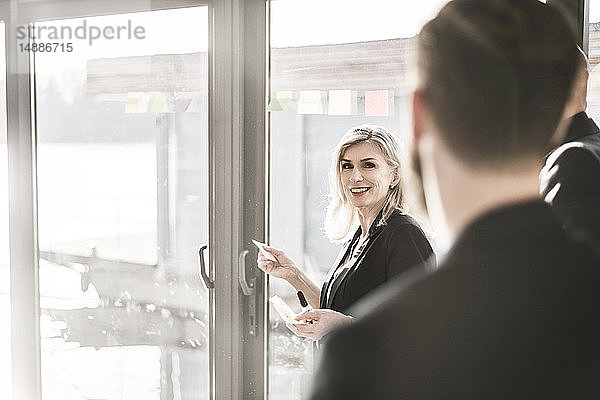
<point x="570" y="180"/>
<point x="513" y="312"/>
<point x="391" y="249"/>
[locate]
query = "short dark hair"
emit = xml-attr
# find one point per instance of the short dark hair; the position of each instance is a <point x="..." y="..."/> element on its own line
<point x="496" y="75"/>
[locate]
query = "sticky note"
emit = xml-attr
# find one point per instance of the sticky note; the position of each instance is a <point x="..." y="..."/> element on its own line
<point x="261" y="247"/>
<point x="277" y="104"/>
<point x="282" y="308"/>
<point x="284" y="95"/>
<point x="377" y="103"/>
<point x="157" y="102"/>
<point x="285" y="310"/>
<point x="342" y="102"/>
<point x="135" y="102"/>
<point x="182" y="101"/>
<point x="310" y="102"/>
<point x="279" y="100"/>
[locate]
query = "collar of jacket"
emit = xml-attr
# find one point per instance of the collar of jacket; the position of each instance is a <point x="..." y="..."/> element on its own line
<point x="581" y="125"/>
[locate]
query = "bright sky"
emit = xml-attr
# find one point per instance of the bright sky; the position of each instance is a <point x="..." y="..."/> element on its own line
<point x="594" y="10"/>
<point x="307" y="22"/>
<point x="176" y="31"/>
<point x="293" y="23"/>
<point x="166" y="32"/>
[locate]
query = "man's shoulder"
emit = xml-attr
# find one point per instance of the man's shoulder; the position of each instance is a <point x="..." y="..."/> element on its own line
<point x="581" y="126"/>
<point x="575" y="149"/>
<point x="576" y="161"/>
<point x="581" y="147"/>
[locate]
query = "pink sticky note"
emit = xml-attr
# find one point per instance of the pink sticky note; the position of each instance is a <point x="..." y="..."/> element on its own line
<point x="182" y="101"/>
<point x="376" y="103"/>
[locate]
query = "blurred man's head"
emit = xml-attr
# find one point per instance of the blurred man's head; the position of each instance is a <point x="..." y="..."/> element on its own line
<point x="577" y="101"/>
<point x="495" y="75"/>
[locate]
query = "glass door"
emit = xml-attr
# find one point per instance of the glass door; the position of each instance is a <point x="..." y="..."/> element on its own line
<point x="335" y="64"/>
<point x="123" y="177"/>
<point x="135" y="139"/>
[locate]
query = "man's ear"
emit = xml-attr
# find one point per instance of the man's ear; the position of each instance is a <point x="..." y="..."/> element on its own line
<point x="419" y="113"/>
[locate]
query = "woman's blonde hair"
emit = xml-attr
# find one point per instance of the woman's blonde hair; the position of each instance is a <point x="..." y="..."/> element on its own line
<point x="342" y="218"/>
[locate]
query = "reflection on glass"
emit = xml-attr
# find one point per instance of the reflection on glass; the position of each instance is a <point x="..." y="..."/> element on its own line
<point x="5" y="353"/>
<point x="593" y="99"/>
<point x="349" y="68"/>
<point x="122" y="203"/>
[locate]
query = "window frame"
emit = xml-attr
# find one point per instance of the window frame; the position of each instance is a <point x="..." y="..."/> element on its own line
<point x="237" y="164"/>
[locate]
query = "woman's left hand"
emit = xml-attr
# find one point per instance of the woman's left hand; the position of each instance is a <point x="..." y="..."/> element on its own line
<point x="323" y="322"/>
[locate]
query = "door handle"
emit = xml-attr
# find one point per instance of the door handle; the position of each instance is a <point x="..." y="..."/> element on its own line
<point x="247" y="289"/>
<point x="207" y="281"/>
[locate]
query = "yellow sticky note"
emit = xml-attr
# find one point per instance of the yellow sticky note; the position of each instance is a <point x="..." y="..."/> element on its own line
<point x="279" y="100"/>
<point x="157" y="102"/>
<point x="277" y="105"/>
<point x="135" y="102"/>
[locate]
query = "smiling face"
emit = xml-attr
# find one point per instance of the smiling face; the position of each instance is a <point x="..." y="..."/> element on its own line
<point x="366" y="177"/>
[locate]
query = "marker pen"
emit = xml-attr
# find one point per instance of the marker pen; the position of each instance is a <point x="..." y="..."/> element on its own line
<point x="304" y="304"/>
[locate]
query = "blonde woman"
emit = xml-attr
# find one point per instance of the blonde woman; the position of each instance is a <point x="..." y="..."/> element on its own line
<point x="366" y="213"/>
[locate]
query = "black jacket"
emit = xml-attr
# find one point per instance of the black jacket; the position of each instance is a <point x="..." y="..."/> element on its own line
<point x="513" y="312"/>
<point x="391" y="249"/>
<point x="570" y="180"/>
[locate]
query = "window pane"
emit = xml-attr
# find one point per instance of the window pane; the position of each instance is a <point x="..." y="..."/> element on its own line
<point x="122" y="202"/>
<point x="5" y="344"/>
<point x="593" y="104"/>
<point x="335" y="64"/>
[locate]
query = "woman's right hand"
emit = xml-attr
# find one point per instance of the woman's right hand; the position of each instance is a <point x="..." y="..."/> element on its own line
<point x="284" y="267"/>
<point x="317" y="323"/>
